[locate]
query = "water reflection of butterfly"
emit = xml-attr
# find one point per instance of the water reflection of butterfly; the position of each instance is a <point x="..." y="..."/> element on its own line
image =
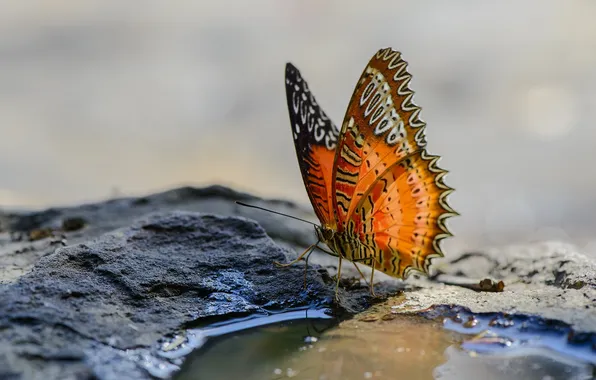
<point x="378" y="194"/>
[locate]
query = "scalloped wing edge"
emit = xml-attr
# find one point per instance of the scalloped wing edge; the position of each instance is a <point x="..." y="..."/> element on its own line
<point x="447" y="213"/>
<point x="402" y="76"/>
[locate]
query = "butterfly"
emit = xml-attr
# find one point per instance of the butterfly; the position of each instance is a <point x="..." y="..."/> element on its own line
<point x="378" y="194"/>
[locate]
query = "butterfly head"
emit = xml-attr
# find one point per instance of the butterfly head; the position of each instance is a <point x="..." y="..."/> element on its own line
<point x="324" y="233"/>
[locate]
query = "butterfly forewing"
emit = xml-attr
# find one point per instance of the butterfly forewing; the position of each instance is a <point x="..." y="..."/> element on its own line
<point x="381" y="127"/>
<point x="389" y="194"/>
<point x="315" y="140"/>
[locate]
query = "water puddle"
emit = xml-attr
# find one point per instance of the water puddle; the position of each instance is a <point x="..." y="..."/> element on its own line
<point x="506" y="334"/>
<point x="440" y="343"/>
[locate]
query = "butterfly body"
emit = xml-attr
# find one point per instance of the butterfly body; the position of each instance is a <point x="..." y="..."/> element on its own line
<point x="380" y="197"/>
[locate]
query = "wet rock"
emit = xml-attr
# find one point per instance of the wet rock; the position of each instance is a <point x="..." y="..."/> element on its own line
<point x="99" y="308"/>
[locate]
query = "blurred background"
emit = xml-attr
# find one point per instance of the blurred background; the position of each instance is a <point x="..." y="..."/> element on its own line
<point x="111" y="98"/>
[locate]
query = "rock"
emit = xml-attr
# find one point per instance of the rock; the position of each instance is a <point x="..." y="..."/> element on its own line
<point x="550" y="279"/>
<point x="99" y="308"/>
<point x="73" y="224"/>
<point x="17" y="257"/>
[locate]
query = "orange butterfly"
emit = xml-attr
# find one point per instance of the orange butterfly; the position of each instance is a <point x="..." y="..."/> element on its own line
<point x="378" y="194"/>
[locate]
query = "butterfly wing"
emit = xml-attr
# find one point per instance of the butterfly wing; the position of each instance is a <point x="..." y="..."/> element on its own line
<point x="315" y="140"/>
<point x="390" y="195"/>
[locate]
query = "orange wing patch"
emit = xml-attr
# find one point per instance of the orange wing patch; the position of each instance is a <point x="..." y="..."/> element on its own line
<point x="380" y="128"/>
<point x="315" y="140"/>
<point x="403" y="215"/>
<point x="318" y="164"/>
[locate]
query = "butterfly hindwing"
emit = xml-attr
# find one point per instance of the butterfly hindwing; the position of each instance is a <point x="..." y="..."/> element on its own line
<point x="389" y="193"/>
<point x="315" y="140"/>
<point x="402" y="216"/>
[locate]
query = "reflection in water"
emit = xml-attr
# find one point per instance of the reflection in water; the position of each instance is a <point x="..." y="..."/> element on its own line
<point x="375" y="345"/>
<point x="406" y="347"/>
<point x="409" y="346"/>
<point x="253" y="354"/>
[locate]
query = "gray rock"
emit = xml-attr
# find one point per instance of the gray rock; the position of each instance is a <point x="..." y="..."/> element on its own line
<point x="98" y="309"/>
<point x="550" y="279"/>
<point x="17" y="257"/>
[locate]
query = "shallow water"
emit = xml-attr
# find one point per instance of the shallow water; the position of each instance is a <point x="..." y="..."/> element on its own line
<point x="377" y="345"/>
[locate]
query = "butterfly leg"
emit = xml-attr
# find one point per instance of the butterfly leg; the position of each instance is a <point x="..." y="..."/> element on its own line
<point x="297" y="259"/>
<point x="338" y="278"/>
<point x="361" y="274"/>
<point x="327" y="251"/>
<point x="372" y="284"/>
<point x="338" y="268"/>
<point x="306" y="265"/>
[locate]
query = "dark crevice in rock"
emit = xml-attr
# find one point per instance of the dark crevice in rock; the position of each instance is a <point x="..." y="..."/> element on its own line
<point x="559" y="280"/>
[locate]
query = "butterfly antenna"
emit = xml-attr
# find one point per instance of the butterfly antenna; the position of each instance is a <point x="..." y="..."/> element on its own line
<point x="274" y="212"/>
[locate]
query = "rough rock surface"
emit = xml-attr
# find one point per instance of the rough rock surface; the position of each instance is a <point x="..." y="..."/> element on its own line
<point x="17" y="258"/>
<point x="85" y="305"/>
<point x="548" y="279"/>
